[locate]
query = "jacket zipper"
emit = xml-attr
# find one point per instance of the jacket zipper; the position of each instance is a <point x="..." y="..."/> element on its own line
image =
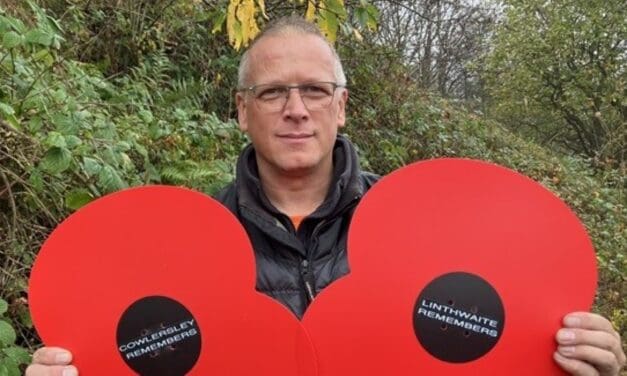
<point x="307" y="276"/>
<point x="304" y="266"/>
<point x="304" y="269"/>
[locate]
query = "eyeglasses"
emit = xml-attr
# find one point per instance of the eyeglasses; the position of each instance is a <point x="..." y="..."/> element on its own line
<point x="273" y="97"/>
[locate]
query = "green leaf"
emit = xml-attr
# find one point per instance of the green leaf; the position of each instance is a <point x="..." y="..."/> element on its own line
<point x="146" y="116"/>
<point x="55" y="139"/>
<point x="373" y="19"/>
<point x="7" y="334"/>
<point x="65" y="124"/>
<point x="362" y="16"/>
<point x="6" y="109"/>
<point x="15" y="23"/>
<point x="4" y="25"/>
<point x="123" y="146"/>
<point x="44" y="56"/>
<point x="4" y="306"/>
<point x="77" y="199"/>
<point x="18" y="354"/>
<point x="35" y="124"/>
<point x="59" y="95"/>
<point x="36" y="180"/>
<point x="12" y="367"/>
<point x="53" y="23"/>
<point x="140" y="149"/>
<point x="328" y="23"/>
<point x="37" y="36"/>
<point x="12" y="120"/>
<point x="73" y="141"/>
<point x="11" y="40"/>
<point x="337" y="7"/>
<point x="125" y="161"/>
<point x="56" y="160"/>
<point x="91" y="166"/>
<point x="110" y="180"/>
<point x="218" y="21"/>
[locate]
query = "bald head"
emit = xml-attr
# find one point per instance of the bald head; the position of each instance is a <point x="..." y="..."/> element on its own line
<point x="284" y="27"/>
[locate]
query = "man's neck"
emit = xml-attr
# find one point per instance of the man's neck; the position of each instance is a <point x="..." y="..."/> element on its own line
<point x="296" y="194"/>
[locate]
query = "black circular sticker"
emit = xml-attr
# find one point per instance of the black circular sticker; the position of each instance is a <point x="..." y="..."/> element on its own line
<point x="157" y="335"/>
<point x="458" y="317"/>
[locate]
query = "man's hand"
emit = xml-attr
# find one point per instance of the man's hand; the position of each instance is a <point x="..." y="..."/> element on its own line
<point x="588" y="345"/>
<point x="51" y="361"/>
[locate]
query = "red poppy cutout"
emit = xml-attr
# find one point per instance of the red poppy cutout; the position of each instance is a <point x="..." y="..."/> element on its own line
<point x="160" y="280"/>
<point x="457" y="267"/>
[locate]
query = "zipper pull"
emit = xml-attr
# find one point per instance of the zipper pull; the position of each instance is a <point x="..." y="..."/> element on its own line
<point x="305" y="272"/>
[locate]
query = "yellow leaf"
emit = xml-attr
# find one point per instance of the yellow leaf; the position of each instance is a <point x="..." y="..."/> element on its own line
<point x="246" y="15"/>
<point x="357" y="35"/>
<point x="237" y="41"/>
<point x="327" y="21"/>
<point x="231" y="22"/>
<point x="311" y="10"/>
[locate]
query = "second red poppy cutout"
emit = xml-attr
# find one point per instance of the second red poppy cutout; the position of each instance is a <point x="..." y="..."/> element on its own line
<point x="457" y="267"/>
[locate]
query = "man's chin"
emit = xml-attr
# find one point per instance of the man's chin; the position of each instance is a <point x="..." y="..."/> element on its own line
<point x="298" y="167"/>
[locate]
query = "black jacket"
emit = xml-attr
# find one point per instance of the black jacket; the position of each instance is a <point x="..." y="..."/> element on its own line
<point x="293" y="266"/>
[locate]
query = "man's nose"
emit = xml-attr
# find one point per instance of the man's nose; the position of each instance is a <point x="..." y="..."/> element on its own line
<point x="294" y="104"/>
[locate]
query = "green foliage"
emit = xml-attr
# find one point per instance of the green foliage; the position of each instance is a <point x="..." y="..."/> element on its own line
<point x="395" y="124"/>
<point x="12" y="357"/>
<point x="70" y="135"/>
<point x="557" y="72"/>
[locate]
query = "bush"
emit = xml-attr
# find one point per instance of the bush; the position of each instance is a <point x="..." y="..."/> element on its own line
<point x="69" y="135"/>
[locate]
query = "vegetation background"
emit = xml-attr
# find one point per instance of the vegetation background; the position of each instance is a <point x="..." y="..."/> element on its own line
<point x="99" y="95"/>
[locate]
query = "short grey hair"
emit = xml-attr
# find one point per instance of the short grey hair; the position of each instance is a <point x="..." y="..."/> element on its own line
<point x="284" y="26"/>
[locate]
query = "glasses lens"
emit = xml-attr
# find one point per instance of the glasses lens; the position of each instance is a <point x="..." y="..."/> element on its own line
<point x="272" y="98"/>
<point x="317" y="95"/>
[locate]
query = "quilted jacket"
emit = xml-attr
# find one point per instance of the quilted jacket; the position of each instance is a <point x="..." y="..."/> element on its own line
<point x="293" y="266"/>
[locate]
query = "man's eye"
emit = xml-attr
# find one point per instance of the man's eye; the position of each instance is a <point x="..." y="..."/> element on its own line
<point x="315" y="90"/>
<point x="271" y="93"/>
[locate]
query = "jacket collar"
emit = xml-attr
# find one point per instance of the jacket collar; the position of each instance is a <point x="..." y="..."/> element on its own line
<point x="345" y="187"/>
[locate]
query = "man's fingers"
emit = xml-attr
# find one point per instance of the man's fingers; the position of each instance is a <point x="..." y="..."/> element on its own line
<point x="44" y="370"/>
<point x="605" y="340"/>
<point x="588" y="320"/>
<point x="574" y="367"/>
<point x="53" y="356"/>
<point x="603" y="360"/>
<point x="595" y="341"/>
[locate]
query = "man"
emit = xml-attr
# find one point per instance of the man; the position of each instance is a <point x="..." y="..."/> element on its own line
<point x="299" y="182"/>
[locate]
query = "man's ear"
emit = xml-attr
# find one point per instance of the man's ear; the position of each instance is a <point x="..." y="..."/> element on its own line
<point x="341" y="114"/>
<point x="242" y="119"/>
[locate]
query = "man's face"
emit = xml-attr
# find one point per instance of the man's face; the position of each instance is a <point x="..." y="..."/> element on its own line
<point x="293" y="140"/>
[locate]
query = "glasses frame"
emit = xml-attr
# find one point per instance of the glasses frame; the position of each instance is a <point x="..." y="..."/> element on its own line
<point x="253" y="88"/>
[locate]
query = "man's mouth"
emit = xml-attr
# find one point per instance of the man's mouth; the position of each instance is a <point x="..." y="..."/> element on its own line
<point x="295" y="136"/>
